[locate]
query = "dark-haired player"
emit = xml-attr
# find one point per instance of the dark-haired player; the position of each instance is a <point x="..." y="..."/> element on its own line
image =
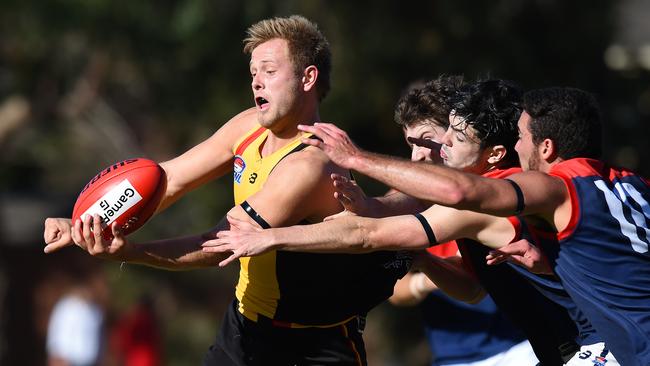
<point x="482" y="130"/>
<point x="600" y="213"/>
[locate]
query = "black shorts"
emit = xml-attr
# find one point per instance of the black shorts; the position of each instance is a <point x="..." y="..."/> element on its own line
<point x="243" y="342"/>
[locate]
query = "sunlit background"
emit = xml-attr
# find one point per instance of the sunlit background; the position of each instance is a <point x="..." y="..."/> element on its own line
<point x="84" y="83"/>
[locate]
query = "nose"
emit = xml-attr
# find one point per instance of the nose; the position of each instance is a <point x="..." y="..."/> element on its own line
<point x="256" y="82"/>
<point x="446" y="137"/>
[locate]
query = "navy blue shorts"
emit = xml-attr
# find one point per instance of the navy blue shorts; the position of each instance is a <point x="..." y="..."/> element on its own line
<point x="243" y="342"/>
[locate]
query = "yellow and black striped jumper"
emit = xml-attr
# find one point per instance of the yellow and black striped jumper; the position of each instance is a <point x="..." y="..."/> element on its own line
<point x="299" y="308"/>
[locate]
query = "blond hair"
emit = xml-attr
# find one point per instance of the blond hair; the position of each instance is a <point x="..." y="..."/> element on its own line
<point x="307" y="45"/>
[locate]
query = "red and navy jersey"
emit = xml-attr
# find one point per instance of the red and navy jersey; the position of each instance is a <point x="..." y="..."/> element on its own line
<point x="546" y="324"/>
<point x="603" y="259"/>
<point x="549" y="285"/>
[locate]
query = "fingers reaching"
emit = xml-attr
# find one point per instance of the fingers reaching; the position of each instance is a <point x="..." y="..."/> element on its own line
<point x="345" y="201"/>
<point x="521" y="253"/>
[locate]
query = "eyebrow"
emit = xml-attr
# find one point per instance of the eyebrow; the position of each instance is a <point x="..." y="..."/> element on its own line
<point x="263" y="61"/>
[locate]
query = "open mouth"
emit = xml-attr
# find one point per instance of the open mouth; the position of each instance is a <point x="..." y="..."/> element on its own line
<point x="261" y="103"/>
<point x="443" y="155"/>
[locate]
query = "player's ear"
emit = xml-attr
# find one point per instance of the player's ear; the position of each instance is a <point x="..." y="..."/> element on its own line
<point x="548" y="150"/>
<point x="309" y="77"/>
<point x="497" y="153"/>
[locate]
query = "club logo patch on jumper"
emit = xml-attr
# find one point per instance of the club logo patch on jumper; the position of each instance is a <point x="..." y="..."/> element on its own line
<point x="599" y="361"/>
<point x="239" y="166"/>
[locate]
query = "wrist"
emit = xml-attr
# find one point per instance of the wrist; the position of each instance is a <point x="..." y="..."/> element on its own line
<point x="273" y="241"/>
<point x="129" y="254"/>
<point x="359" y="160"/>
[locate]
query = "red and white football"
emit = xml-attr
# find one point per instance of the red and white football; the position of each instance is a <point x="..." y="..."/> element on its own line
<point x="127" y="192"/>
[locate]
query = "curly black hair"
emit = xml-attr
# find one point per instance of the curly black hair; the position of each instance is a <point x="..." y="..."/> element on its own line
<point x="569" y="117"/>
<point x="492" y="108"/>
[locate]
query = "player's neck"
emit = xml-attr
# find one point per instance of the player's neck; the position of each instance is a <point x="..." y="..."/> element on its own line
<point x="283" y="134"/>
<point x="286" y="130"/>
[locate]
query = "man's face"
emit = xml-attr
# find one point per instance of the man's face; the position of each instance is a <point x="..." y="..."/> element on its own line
<point x="526" y="149"/>
<point x="461" y="149"/>
<point x="276" y="87"/>
<point x="424" y="139"/>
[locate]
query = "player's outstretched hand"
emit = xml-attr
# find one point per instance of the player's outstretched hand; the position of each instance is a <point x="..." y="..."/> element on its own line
<point x="350" y="195"/>
<point x="522" y="253"/>
<point x="87" y="234"/>
<point x="243" y="240"/>
<point x="57" y="234"/>
<point x="334" y="142"/>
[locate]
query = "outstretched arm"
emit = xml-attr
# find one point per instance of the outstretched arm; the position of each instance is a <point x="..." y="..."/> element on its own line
<point x="435" y="183"/>
<point x="210" y="159"/>
<point x="172" y="254"/>
<point x="446" y="274"/>
<point x="354" y="234"/>
<point x="348" y="234"/>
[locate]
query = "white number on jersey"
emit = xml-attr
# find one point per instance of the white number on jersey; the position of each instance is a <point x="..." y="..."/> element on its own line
<point x="625" y="193"/>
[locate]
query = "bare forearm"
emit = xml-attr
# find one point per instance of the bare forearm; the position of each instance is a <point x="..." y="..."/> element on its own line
<point x="173" y="254"/>
<point x="177" y="254"/>
<point x="394" y="203"/>
<point x="439" y="184"/>
<point x="344" y="235"/>
<point x="407" y="176"/>
<point x="450" y="276"/>
<point x="351" y="235"/>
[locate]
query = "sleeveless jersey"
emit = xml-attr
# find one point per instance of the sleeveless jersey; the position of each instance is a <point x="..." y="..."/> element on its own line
<point x="547" y="325"/>
<point x="603" y="259"/>
<point x="549" y="285"/>
<point x="304" y="289"/>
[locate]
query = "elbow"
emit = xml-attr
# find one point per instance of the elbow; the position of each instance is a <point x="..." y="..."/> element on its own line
<point x="458" y="195"/>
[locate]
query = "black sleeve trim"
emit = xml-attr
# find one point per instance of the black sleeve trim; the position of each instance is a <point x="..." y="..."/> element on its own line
<point x="520" y="197"/>
<point x="427" y="229"/>
<point x="254" y="215"/>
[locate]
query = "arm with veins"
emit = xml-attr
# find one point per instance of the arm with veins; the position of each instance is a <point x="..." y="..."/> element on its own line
<point x="354" y="234"/>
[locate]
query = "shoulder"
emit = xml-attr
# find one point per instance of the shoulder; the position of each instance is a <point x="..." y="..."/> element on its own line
<point x="308" y="170"/>
<point x="310" y="159"/>
<point x="532" y="178"/>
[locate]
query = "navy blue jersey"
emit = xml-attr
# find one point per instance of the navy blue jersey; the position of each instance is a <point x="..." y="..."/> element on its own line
<point x="547" y="325"/>
<point x="603" y="258"/>
<point x="550" y="285"/>
<point x="459" y="332"/>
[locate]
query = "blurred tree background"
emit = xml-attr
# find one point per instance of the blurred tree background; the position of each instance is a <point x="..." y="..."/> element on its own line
<point x="87" y="83"/>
